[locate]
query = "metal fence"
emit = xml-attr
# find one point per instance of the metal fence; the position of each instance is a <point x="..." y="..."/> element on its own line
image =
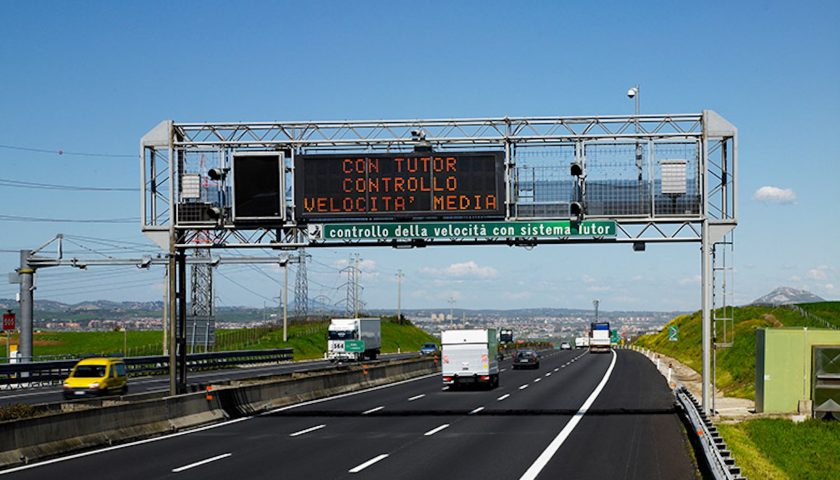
<point x="37" y="374"/>
<point x="811" y="316"/>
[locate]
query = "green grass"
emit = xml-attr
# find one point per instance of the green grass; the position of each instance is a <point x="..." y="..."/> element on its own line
<point x="774" y="448"/>
<point x="828" y="311"/>
<point x="308" y="340"/>
<point x="735" y="365"/>
<point x="83" y="343"/>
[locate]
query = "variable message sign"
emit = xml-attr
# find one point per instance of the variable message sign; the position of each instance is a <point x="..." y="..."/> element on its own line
<point x="399" y="185"/>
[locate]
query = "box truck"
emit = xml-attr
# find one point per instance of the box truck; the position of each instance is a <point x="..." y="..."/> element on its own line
<point x="468" y="357"/>
<point x="599" y="337"/>
<point x="353" y="339"/>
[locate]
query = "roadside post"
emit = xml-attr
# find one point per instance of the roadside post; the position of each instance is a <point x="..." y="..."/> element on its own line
<point x="8" y="325"/>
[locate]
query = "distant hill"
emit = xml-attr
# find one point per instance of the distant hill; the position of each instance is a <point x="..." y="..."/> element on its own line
<point x="787" y="296"/>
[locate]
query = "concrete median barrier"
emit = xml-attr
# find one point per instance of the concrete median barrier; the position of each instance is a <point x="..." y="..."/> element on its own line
<point x="30" y="439"/>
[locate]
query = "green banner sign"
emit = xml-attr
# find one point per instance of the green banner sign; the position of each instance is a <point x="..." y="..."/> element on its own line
<point x="354" y="346"/>
<point x="557" y="229"/>
<point x="673" y="333"/>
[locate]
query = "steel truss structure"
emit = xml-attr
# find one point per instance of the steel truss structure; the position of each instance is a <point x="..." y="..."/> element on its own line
<point x="628" y="160"/>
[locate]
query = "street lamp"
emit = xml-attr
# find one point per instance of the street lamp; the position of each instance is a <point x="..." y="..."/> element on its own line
<point x="635" y="93"/>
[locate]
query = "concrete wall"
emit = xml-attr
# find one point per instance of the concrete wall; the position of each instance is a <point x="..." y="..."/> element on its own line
<point x="29" y="439"/>
<point x="783" y="366"/>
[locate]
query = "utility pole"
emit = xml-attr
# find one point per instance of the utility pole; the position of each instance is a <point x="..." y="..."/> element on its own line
<point x="285" y="300"/>
<point x="451" y="302"/>
<point x="301" y="287"/>
<point x="27" y="286"/>
<point x="356" y="275"/>
<point x="399" y="294"/>
<point x="165" y="346"/>
<point x="350" y="287"/>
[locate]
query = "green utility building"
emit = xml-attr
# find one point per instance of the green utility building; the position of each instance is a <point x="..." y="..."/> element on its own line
<point x="785" y="360"/>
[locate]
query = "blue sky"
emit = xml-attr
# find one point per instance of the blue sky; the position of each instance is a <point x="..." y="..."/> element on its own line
<point x="93" y="77"/>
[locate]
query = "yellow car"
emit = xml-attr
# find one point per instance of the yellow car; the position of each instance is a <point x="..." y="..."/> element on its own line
<point x="95" y="377"/>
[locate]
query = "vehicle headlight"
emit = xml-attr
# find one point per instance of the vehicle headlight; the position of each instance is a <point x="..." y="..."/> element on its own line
<point x="94" y="385"/>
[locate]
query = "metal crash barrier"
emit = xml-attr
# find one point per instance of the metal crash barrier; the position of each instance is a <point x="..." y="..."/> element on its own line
<point x="718" y="457"/>
<point x="36" y="374"/>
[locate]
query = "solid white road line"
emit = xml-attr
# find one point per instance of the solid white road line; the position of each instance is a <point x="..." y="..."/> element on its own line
<point x="196" y="464"/>
<point x="476" y="410"/>
<point x="503" y="397"/>
<point x="416" y="397"/>
<point x="318" y="427"/>
<point x="561" y="437"/>
<point x="209" y="427"/>
<point x="523" y="387"/>
<point x="368" y="463"/>
<point x="373" y="410"/>
<point x="436" y="430"/>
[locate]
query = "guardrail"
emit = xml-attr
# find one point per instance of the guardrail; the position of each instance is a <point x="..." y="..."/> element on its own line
<point x="718" y="457"/>
<point x="35" y="374"/>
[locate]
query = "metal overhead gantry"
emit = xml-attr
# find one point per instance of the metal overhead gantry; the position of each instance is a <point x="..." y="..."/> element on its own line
<point x="32" y="260"/>
<point x="523" y="181"/>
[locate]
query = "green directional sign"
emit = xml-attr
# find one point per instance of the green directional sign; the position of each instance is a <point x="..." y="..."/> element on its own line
<point x="354" y="346"/>
<point x="559" y="229"/>
<point x="613" y="336"/>
<point x="673" y="333"/>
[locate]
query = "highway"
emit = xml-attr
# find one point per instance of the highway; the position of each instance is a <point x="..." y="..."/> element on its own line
<point x="52" y="394"/>
<point x="580" y="416"/>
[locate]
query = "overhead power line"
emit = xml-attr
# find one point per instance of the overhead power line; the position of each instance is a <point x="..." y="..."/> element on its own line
<point x="6" y="182"/>
<point x="16" y="218"/>
<point x="64" y="152"/>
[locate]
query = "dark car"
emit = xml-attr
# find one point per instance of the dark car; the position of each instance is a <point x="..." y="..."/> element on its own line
<point x="526" y="359"/>
<point x="429" y="349"/>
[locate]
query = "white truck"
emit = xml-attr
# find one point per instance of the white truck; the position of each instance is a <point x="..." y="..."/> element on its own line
<point x="468" y="357"/>
<point x="582" y="342"/>
<point x="353" y="339"/>
<point x="599" y="337"/>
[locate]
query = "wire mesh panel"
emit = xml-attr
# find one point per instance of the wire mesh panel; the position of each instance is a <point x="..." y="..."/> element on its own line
<point x="543" y="187"/>
<point x="618" y="181"/>
<point x="676" y="179"/>
<point x="197" y="193"/>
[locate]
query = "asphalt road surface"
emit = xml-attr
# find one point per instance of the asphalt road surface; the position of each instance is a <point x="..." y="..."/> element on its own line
<point x="580" y="416"/>
<point x="160" y="383"/>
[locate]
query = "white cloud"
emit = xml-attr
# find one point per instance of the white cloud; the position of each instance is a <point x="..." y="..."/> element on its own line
<point x="518" y="295"/>
<point x="468" y="269"/>
<point x="769" y="194"/>
<point x="693" y="280"/>
<point x="365" y="265"/>
<point x="819" y="273"/>
<point x="829" y="286"/>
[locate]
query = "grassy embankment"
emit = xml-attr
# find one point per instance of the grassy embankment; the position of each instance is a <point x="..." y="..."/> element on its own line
<point x="308" y="340"/>
<point x="764" y="448"/>
<point x="775" y="448"/>
<point x="735" y="365"/>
